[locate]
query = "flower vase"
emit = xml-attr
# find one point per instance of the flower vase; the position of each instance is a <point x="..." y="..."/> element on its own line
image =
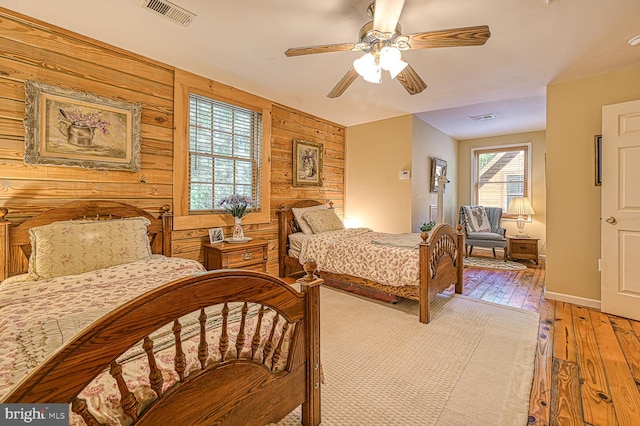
<point x="238" y="233"/>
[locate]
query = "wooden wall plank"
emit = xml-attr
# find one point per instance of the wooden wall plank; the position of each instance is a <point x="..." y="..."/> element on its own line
<point x="41" y="35"/>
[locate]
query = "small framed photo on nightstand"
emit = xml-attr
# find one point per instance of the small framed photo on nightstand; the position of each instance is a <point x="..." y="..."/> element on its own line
<point x="216" y="235"/>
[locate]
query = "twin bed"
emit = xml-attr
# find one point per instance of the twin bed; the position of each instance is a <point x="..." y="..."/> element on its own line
<point x="137" y="337"/>
<point x="373" y="264"/>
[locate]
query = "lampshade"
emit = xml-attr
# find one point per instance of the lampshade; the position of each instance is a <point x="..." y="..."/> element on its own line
<point x="368" y="68"/>
<point x="520" y="206"/>
<point x="391" y="60"/>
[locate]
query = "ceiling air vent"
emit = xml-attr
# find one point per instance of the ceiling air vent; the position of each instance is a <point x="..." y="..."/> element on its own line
<point x="169" y="11"/>
<point x="483" y="117"/>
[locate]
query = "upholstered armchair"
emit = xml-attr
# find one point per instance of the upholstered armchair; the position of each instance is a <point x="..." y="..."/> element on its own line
<point x="479" y="233"/>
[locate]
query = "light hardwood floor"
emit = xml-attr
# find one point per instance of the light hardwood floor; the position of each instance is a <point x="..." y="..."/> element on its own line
<point x="587" y="368"/>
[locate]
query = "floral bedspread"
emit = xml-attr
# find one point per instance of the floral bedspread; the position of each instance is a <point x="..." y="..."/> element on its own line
<point x="355" y="252"/>
<point x="37" y="317"/>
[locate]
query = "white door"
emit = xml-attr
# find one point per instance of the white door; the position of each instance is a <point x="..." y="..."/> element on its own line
<point x="620" y="279"/>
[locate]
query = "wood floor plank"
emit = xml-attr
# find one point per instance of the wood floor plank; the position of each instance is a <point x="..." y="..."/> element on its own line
<point x="566" y="408"/>
<point x="540" y="397"/>
<point x="636" y="327"/>
<point x="595" y="395"/>
<point x="630" y="344"/>
<point x="622" y="386"/>
<point x="496" y="286"/>
<point x="519" y="296"/>
<point x="564" y="343"/>
<point x="506" y="291"/>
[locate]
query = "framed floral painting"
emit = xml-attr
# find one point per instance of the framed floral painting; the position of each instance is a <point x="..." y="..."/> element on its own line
<point x="307" y="163"/>
<point x="68" y="128"/>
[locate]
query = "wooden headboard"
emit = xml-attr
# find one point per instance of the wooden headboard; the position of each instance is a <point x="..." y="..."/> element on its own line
<point x="15" y="245"/>
<point x="287" y="225"/>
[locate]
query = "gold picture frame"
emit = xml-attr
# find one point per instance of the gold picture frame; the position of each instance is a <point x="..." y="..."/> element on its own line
<point x="438" y="168"/>
<point x="64" y="127"/>
<point x="307" y="163"/>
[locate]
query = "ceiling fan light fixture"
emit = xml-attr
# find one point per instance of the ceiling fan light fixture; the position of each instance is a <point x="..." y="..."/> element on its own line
<point x="389" y="56"/>
<point x="367" y="66"/>
<point x="397" y="68"/>
<point x="391" y="60"/>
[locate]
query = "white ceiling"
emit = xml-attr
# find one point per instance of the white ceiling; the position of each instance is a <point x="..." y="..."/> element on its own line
<point x="242" y="42"/>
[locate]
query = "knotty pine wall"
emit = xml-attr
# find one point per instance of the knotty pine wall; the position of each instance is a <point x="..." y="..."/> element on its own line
<point x="34" y="50"/>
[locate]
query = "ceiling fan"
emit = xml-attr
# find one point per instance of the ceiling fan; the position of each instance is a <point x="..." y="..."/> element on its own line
<point x="382" y="42"/>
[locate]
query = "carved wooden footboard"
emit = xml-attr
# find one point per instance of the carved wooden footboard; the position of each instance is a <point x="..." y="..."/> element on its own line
<point x="440" y="265"/>
<point x="240" y="385"/>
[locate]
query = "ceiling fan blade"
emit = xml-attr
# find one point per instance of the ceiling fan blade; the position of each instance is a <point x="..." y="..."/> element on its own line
<point x="467" y="36"/>
<point x="386" y="15"/>
<point x="323" y="48"/>
<point x="344" y="82"/>
<point x="411" y="81"/>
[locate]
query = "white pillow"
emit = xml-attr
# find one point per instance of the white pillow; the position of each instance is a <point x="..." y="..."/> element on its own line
<point x="76" y="246"/>
<point x="299" y="211"/>
<point x="323" y="220"/>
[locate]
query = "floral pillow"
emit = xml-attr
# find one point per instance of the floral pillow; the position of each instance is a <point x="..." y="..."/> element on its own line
<point x="323" y="220"/>
<point x="298" y="212"/>
<point x="72" y="247"/>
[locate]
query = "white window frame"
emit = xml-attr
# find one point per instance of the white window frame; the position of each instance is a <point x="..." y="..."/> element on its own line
<point x="474" y="171"/>
<point x="186" y="83"/>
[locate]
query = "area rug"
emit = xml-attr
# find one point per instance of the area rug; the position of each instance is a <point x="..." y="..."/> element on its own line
<point x="485" y="262"/>
<point x="473" y="364"/>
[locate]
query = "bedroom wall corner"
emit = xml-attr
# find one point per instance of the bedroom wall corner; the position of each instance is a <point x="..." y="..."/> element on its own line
<point x="429" y="142"/>
<point x="574" y="117"/>
<point x="375" y="195"/>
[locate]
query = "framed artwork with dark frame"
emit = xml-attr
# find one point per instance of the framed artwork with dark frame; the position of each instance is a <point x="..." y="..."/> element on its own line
<point x="68" y="128"/>
<point x="438" y="168"/>
<point x="307" y="163"/>
<point x="598" y="168"/>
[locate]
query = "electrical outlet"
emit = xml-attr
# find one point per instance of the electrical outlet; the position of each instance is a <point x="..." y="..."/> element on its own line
<point x="599" y="264"/>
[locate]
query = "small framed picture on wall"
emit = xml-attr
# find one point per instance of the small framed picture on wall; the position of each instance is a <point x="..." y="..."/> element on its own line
<point x="216" y="235"/>
<point x="438" y="168"/>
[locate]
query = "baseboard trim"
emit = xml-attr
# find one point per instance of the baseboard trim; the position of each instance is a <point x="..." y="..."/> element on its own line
<point x="576" y="300"/>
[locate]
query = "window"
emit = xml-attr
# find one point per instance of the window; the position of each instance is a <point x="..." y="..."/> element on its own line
<point x="222" y="146"/>
<point x="224" y="153"/>
<point x="500" y="174"/>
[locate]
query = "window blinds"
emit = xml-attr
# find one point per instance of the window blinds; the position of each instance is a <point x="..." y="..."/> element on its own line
<point x="225" y="152"/>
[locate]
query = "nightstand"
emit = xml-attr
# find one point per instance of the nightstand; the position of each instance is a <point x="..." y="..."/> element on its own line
<point x="251" y="255"/>
<point x="522" y="248"/>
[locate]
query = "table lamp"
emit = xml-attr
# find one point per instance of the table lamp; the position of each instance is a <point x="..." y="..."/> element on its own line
<point x="520" y="207"/>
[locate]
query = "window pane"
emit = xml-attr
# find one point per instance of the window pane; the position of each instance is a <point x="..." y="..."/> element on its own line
<point x="224" y="170"/>
<point x="201" y="169"/>
<point x="501" y="175"/>
<point x="244" y="173"/>
<point x="200" y="196"/>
